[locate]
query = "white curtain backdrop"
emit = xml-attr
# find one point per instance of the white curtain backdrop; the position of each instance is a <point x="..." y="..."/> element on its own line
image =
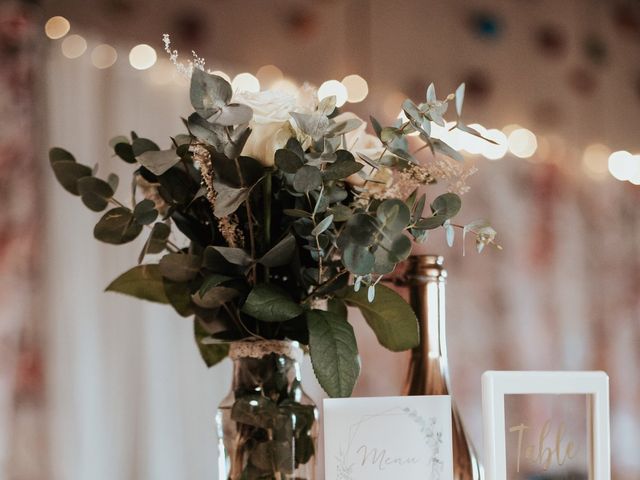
<point x="129" y="396"/>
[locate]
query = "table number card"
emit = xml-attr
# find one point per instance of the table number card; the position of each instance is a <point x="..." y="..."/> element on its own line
<point x="551" y="425"/>
<point x="388" y="438"/>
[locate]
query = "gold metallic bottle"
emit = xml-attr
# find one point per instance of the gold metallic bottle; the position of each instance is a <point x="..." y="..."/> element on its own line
<point x="428" y="369"/>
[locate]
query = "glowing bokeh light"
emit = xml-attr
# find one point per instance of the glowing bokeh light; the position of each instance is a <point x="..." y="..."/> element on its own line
<point x="499" y="149"/>
<point x="73" y="46"/>
<point x="621" y="165"/>
<point x="595" y="160"/>
<point x="357" y="88"/>
<point x="268" y="75"/>
<point x="104" y="56"/>
<point x="245" y="82"/>
<point x="57" y="27"/>
<point x="142" y="57"/>
<point x="522" y="143"/>
<point x="333" y="87"/>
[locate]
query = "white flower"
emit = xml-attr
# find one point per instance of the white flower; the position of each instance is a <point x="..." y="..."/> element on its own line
<point x="270" y="125"/>
<point x="359" y="141"/>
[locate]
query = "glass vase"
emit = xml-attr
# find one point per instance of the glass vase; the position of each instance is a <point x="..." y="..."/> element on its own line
<point x="267" y="426"/>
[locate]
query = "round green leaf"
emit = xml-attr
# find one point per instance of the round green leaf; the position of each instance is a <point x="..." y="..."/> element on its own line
<point x="117" y="226"/>
<point x="307" y="178"/>
<point x="68" y="173"/>
<point x="125" y="152"/>
<point x="447" y="205"/>
<point x="145" y="212"/>
<point x="180" y="267"/>
<point x="394" y="215"/>
<point x="287" y="160"/>
<point x="57" y="154"/>
<point x="95" y="193"/>
<point x="208" y="92"/>
<point x="358" y="260"/>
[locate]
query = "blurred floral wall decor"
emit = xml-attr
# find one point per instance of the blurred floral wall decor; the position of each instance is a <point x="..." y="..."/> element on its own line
<point x="21" y="382"/>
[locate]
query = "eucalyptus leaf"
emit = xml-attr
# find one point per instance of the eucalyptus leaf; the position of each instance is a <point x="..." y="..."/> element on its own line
<point x="113" y="180"/>
<point x="141" y="145"/>
<point x="287" y="160"/>
<point x="117" y="226"/>
<point x="125" y="152"/>
<point x="447" y="205"/>
<point x="394" y="214"/>
<point x="95" y="193"/>
<point x="340" y="212"/>
<point x="358" y="260"/>
<point x="232" y="114"/>
<point x="269" y="303"/>
<point x="207" y="132"/>
<point x="341" y="169"/>
<point x="145" y="212"/>
<point x="157" y="240"/>
<point x="211" y="281"/>
<point x="208" y="92"/>
<point x="334" y="352"/>
<point x="459" y="98"/>
<point x="158" y="162"/>
<point x="322" y="226"/>
<point x="228" y="199"/>
<point x="68" y="173"/>
<point x="313" y="124"/>
<point x="143" y="282"/>
<point x="307" y="178"/>
<point x="57" y="154"/>
<point x="430" y="223"/>
<point x="390" y="317"/>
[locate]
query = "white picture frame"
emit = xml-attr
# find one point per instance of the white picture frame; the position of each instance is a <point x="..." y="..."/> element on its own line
<point x="497" y="384"/>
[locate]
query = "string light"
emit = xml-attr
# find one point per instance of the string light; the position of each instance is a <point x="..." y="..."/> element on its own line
<point x="268" y="75"/>
<point x="357" y="88"/>
<point x="104" y="56"/>
<point x="73" y="46"/>
<point x="522" y="143"/>
<point x="622" y="165"/>
<point x="333" y="87"/>
<point x="595" y="160"/>
<point x="142" y="57"/>
<point x="57" y="27"/>
<point x="245" y="82"/>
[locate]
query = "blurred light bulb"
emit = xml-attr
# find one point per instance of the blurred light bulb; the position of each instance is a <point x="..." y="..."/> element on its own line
<point x="245" y="82"/>
<point x="142" y="57"/>
<point x="499" y="149"/>
<point x="57" y="27"/>
<point x="163" y="72"/>
<point x="357" y="88"/>
<point x="103" y="56"/>
<point x="635" y="177"/>
<point x="268" y="75"/>
<point x="507" y="129"/>
<point x="522" y="143"/>
<point x="73" y="46"/>
<point x="333" y="87"/>
<point x="595" y="160"/>
<point x="472" y="143"/>
<point x="621" y="165"/>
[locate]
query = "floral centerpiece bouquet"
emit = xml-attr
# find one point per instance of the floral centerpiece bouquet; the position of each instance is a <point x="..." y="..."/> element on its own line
<point x="263" y="221"/>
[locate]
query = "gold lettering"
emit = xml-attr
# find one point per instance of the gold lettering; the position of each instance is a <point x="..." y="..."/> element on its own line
<point x="541" y="453"/>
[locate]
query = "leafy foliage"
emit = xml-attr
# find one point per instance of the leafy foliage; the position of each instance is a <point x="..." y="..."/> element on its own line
<point x="266" y="242"/>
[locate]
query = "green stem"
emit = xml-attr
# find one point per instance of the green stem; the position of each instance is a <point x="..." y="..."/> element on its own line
<point x="267" y="218"/>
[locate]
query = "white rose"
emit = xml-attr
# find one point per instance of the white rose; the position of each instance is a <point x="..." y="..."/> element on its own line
<point x="359" y="141"/>
<point x="270" y="123"/>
